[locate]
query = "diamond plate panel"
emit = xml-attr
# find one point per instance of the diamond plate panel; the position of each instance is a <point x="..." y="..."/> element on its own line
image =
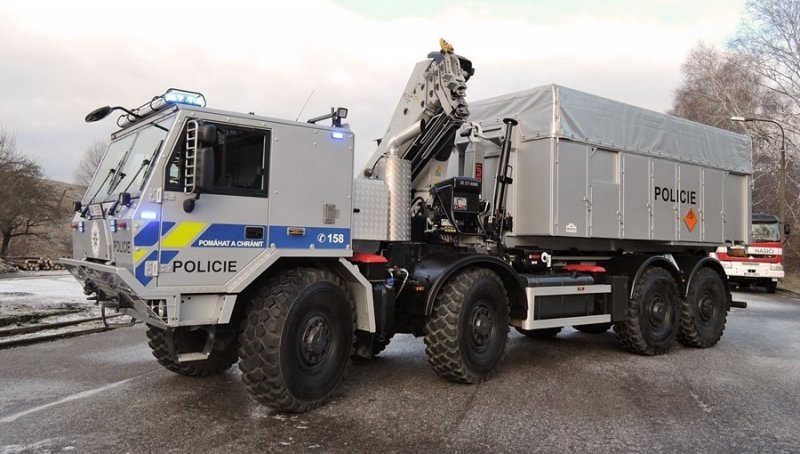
<point x="370" y="210"/>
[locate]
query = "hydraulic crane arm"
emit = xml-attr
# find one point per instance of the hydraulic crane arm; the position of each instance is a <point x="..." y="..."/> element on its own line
<point x="434" y="99"/>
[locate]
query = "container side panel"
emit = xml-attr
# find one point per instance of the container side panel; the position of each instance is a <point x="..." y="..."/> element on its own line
<point x="712" y="206"/>
<point x="688" y="199"/>
<point x="533" y="189"/>
<point x="604" y="190"/>
<point x="636" y="204"/>
<point x="663" y="196"/>
<point x="736" y="211"/>
<point x="571" y="192"/>
<point x="604" y="210"/>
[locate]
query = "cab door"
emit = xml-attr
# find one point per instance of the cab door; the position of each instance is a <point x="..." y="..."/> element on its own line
<point x="208" y="241"/>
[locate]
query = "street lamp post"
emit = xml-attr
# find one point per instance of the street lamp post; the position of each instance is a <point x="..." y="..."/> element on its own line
<point x="782" y="189"/>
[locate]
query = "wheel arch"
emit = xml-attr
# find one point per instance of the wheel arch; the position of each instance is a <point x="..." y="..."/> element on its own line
<point x="360" y="288"/>
<point x="633" y="265"/>
<point x="438" y="269"/>
<point x="691" y="264"/>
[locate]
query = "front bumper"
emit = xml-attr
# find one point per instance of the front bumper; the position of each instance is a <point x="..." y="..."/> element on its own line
<point x="118" y="288"/>
<point x="753" y="270"/>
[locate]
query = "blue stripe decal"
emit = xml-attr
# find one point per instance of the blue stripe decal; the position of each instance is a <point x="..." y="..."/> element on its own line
<point x="147" y="236"/>
<point x="167" y="256"/>
<point x="319" y="237"/>
<point x="166" y="226"/>
<point x="140" y="269"/>
<point x="229" y="235"/>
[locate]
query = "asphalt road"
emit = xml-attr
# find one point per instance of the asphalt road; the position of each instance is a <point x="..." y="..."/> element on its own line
<point x="575" y="393"/>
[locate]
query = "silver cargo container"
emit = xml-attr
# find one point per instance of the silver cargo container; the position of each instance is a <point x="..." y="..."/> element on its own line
<point x="586" y="167"/>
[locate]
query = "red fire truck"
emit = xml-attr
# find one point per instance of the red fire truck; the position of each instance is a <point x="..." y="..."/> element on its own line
<point x="758" y="263"/>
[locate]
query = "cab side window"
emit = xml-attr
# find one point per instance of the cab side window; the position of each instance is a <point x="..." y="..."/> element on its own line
<point x="241" y="160"/>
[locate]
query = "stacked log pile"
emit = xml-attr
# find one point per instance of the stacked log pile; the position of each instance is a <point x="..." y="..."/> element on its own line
<point x="34" y="264"/>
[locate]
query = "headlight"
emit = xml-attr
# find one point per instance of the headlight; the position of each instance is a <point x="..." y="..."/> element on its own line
<point x="775" y="267"/>
<point x="727" y="264"/>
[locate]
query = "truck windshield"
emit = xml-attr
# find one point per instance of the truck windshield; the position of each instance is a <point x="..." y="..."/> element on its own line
<point x="124" y="165"/>
<point x="764" y="232"/>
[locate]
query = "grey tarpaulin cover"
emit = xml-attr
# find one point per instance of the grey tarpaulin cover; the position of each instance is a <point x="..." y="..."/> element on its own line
<point x="556" y="111"/>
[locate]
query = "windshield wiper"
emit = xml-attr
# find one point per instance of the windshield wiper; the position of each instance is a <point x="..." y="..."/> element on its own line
<point x="145" y="163"/>
<point x="110" y="172"/>
<point x="149" y="168"/>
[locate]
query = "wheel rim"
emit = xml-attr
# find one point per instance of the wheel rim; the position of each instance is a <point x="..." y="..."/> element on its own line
<point x="315" y="343"/>
<point x="481" y="325"/>
<point x="659" y="316"/>
<point x="706" y="307"/>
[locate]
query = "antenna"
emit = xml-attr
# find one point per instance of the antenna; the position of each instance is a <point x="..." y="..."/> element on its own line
<point x="304" y="105"/>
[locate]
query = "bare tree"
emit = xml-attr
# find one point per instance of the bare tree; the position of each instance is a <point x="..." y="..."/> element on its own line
<point x="770" y="37"/>
<point x="27" y="202"/>
<point x="717" y="85"/>
<point x="89" y="162"/>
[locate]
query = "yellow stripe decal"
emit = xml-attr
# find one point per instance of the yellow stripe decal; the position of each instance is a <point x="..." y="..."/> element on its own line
<point x="138" y="254"/>
<point x="183" y="234"/>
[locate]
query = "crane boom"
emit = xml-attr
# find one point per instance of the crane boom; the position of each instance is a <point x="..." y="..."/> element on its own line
<point x="434" y="99"/>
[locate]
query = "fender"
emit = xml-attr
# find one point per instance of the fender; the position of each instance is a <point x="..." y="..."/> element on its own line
<point x="434" y="271"/>
<point x="633" y="265"/>
<point x="691" y="264"/>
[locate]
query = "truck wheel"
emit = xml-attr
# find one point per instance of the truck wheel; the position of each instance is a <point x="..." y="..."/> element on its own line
<point x="190" y="341"/>
<point x="467" y="331"/>
<point x="544" y="333"/>
<point x="703" y="312"/>
<point x="771" y="286"/>
<point x="652" y="314"/>
<point x="297" y="339"/>
<point x="594" y="328"/>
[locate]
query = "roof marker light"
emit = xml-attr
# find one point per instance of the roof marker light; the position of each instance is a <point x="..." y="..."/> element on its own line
<point x="150" y="215"/>
<point x="338" y="135"/>
<point x="175" y="96"/>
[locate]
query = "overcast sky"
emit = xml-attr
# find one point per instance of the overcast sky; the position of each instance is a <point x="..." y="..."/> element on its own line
<point x="61" y="59"/>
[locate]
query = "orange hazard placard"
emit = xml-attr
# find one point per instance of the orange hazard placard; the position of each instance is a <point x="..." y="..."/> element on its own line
<point x="690" y="219"/>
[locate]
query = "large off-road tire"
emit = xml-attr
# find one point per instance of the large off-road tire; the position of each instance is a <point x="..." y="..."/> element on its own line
<point x="771" y="286"/>
<point x="186" y="340"/>
<point x="594" y="328"/>
<point x="703" y="311"/>
<point x="297" y="339"/>
<point x="466" y="334"/>
<point x="543" y="333"/>
<point x="652" y="323"/>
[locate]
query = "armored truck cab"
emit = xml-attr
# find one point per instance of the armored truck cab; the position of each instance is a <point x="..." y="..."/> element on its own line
<point x="156" y="238"/>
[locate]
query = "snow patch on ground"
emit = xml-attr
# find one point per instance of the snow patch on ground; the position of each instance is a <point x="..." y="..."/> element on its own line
<point x="31" y="296"/>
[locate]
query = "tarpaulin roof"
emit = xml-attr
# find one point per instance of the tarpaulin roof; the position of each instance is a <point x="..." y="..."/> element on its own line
<point x="556" y="111"/>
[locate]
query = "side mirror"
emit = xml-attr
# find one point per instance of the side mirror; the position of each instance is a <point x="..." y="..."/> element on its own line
<point x="787" y="230"/>
<point x="204" y="168"/>
<point x="207" y="134"/>
<point x="98" y="114"/>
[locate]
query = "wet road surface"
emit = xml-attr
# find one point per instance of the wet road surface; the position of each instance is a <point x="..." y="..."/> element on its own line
<point x="577" y="392"/>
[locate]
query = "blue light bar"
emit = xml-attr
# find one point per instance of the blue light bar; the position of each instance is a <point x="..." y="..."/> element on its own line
<point x="175" y="96"/>
<point x="338" y="135"/>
